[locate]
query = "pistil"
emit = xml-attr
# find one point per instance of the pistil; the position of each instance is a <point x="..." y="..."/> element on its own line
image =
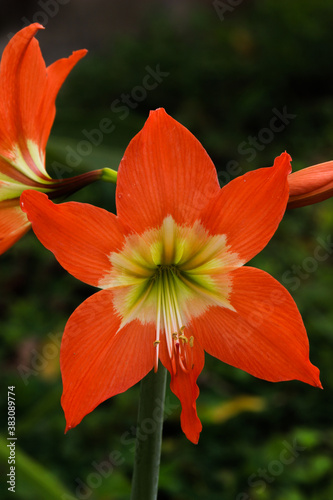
<point x="170" y="320"/>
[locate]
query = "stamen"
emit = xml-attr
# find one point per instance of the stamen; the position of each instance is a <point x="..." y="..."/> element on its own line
<point x="191" y="343"/>
<point x="183" y="338"/>
<point x="167" y="328"/>
<point x="172" y="302"/>
<point x="158" y="326"/>
<point x="167" y="320"/>
<point x="174" y="295"/>
<point x="183" y="361"/>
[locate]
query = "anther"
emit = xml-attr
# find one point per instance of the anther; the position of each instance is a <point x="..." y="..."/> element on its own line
<point x="156" y="342"/>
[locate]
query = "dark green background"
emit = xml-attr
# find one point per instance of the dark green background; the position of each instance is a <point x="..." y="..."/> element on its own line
<point x="226" y="78"/>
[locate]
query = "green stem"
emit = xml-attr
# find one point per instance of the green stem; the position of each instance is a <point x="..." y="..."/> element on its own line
<point x="109" y="175"/>
<point x="149" y="436"/>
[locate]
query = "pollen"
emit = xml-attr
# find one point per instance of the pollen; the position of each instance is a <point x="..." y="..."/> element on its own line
<point x="167" y="276"/>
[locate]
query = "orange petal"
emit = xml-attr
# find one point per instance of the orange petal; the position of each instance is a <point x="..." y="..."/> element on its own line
<point x="184" y="386"/>
<point x="311" y="185"/>
<point x="81" y="236"/>
<point x="56" y="74"/>
<point x="249" y="209"/>
<point x="265" y="337"/>
<point x="27" y="96"/>
<point x="13" y="90"/>
<point x="13" y="224"/>
<point x="97" y="361"/>
<point x="164" y="171"/>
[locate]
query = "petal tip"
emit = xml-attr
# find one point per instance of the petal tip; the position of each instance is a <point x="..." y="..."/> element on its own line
<point x="68" y="427"/>
<point x="28" y="196"/>
<point x="317" y="382"/>
<point x="194" y="438"/>
<point x="38" y="26"/>
<point x="157" y="112"/>
<point x="191" y="430"/>
<point x="78" y="54"/>
<point x="283" y="162"/>
<point x="30" y="30"/>
<point x="313" y="378"/>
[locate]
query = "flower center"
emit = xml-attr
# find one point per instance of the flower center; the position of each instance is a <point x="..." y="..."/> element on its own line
<point x="167" y="276"/>
<point x="167" y="280"/>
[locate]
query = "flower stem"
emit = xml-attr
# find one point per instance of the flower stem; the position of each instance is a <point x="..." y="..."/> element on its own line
<point x="149" y="436"/>
<point x="109" y="175"/>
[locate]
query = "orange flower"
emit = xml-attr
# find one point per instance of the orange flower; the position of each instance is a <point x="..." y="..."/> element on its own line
<point x="27" y="108"/>
<point x="170" y="266"/>
<point x="311" y="185"/>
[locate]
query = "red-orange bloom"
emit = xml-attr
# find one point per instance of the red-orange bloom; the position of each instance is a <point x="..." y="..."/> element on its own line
<point x="170" y="266"/>
<point x="311" y="185"/>
<point x="27" y="108"/>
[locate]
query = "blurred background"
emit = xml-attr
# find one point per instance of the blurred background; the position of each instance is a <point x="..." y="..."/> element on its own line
<point x="250" y="79"/>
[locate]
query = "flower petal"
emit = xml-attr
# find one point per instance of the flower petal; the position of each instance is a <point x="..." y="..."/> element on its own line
<point x="249" y="209"/>
<point x="311" y="185"/>
<point x="56" y="74"/>
<point x="265" y="337"/>
<point x="10" y="91"/>
<point x="164" y="171"/>
<point x="97" y="361"/>
<point x="184" y="386"/>
<point x="27" y="95"/>
<point x="81" y="236"/>
<point x="22" y="86"/>
<point x="13" y="224"/>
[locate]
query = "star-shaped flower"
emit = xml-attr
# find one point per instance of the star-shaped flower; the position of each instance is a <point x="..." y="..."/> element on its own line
<point x="171" y="269"/>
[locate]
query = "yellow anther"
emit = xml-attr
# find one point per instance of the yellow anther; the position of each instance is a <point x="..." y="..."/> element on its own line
<point x="156" y="342"/>
<point x="191" y="339"/>
<point x="175" y="335"/>
<point x="185" y="339"/>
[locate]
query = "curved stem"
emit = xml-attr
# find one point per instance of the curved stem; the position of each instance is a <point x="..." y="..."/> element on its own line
<point x="149" y="436"/>
<point x="109" y="175"/>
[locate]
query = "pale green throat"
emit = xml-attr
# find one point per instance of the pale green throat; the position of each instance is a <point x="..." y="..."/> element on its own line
<point x="169" y="275"/>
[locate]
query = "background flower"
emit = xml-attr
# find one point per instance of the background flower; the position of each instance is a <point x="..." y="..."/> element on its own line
<point x="28" y="90"/>
<point x="311" y="185"/>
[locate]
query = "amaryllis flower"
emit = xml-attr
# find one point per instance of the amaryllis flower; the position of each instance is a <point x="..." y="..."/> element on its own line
<point x="27" y="108"/>
<point x="311" y="185"/>
<point x="170" y="266"/>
